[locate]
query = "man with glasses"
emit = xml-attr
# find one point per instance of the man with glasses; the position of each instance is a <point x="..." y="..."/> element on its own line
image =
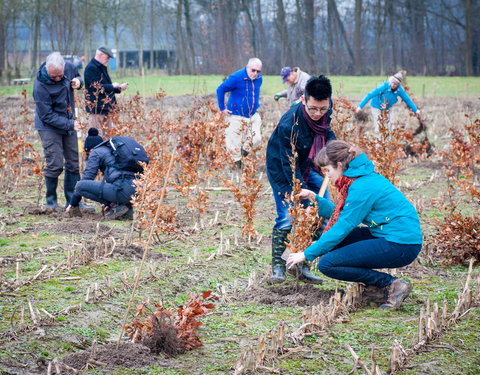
<point x="243" y="131"/>
<point x="101" y="91"/>
<point x="306" y="126"/>
<point x="56" y="124"/>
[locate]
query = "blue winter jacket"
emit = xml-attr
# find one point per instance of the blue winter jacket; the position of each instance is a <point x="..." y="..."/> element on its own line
<point x="244" y="98"/>
<point x="101" y="158"/>
<point x="384" y="95"/>
<point x="373" y="201"/>
<point x="292" y="127"/>
<point x="55" y="101"/>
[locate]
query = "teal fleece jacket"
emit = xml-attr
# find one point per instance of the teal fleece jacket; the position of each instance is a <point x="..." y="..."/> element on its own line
<point x="373" y="201"/>
<point x="383" y="95"/>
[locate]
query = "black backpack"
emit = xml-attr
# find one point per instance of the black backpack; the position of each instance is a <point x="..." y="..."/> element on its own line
<point x="128" y="152"/>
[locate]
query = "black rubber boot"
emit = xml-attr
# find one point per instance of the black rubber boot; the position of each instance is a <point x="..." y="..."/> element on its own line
<point x="51" y="184"/>
<point x="307" y="276"/>
<point x="279" y="244"/>
<point x="69" y="183"/>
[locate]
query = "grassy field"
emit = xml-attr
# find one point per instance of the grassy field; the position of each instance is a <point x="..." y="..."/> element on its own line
<point x="353" y="87"/>
<point x="33" y="239"/>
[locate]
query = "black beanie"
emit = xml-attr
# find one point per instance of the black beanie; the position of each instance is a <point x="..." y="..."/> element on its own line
<point x="92" y="140"/>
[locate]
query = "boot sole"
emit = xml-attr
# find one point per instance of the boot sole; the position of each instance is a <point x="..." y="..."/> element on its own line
<point x="117" y="215"/>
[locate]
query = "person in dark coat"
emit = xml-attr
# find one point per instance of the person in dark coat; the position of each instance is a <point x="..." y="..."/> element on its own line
<point x="116" y="188"/>
<point x="100" y="91"/>
<point x="56" y="124"/>
<point x="307" y="126"/>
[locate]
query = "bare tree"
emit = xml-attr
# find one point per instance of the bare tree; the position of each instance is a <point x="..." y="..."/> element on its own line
<point x="286" y="56"/>
<point x="357" y="43"/>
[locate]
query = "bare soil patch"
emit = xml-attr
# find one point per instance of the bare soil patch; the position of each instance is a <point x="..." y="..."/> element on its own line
<point x="127" y="355"/>
<point x="287" y="295"/>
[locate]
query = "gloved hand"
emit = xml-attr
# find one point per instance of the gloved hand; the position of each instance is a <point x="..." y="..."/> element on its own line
<point x="276" y="97"/>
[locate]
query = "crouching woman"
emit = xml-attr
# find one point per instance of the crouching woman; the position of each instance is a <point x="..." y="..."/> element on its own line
<point x="391" y="236"/>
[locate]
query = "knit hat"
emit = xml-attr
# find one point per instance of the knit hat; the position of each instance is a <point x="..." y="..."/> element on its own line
<point x="92" y="140"/>
<point x="397" y="78"/>
<point x="285" y="72"/>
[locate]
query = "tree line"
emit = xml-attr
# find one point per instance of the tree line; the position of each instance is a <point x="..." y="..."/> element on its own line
<point x="425" y="37"/>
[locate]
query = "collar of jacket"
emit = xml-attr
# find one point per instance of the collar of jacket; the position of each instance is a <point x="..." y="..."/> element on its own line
<point x="246" y="77"/>
<point x="98" y="63"/>
<point x="43" y="76"/>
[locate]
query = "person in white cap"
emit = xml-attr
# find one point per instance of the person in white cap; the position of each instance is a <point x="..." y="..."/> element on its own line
<point x="385" y="96"/>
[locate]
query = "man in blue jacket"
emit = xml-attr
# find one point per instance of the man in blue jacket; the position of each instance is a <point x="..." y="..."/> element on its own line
<point x="100" y="94"/>
<point x="56" y="124"/>
<point x="307" y="126"/>
<point x="241" y="110"/>
<point x="385" y="96"/>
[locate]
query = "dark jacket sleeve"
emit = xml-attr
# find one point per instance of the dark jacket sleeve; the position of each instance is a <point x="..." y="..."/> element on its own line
<point x="94" y="163"/>
<point x="47" y="115"/>
<point x="285" y="136"/>
<point x="94" y="74"/>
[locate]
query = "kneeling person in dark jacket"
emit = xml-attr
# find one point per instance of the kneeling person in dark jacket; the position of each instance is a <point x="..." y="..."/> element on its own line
<point x="117" y="187"/>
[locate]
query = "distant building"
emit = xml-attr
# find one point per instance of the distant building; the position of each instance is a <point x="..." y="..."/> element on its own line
<point x="162" y="59"/>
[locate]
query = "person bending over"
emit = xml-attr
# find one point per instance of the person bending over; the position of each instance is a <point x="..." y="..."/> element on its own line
<point x="116" y="188"/>
<point x="391" y="237"/>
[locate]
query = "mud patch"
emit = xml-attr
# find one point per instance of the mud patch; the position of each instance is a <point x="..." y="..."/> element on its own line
<point x="74" y="226"/>
<point x="127" y="355"/>
<point x="288" y="295"/>
<point x="135" y="252"/>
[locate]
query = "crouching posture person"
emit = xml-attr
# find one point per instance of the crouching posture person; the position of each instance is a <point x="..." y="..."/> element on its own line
<point x="306" y="127"/>
<point x="391" y="238"/>
<point x="117" y="158"/>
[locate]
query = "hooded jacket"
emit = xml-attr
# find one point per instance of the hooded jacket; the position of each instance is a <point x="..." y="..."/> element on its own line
<point x="55" y="101"/>
<point x="383" y="95"/>
<point x="292" y="126"/>
<point x="244" y="98"/>
<point x="373" y="201"/>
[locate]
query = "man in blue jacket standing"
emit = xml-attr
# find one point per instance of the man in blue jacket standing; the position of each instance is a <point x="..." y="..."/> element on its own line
<point x="56" y="124"/>
<point x="385" y="96"/>
<point x="100" y="94"/>
<point x="306" y="126"/>
<point x="243" y="102"/>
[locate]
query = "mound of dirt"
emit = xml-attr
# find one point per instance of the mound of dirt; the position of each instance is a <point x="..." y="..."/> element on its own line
<point x="135" y="252"/>
<point x="127" y="355"/>
<point x="287" y="295"/>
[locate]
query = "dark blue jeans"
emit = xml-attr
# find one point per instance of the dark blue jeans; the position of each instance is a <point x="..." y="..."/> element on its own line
<point x="119" y="192"/>
<point x="356" y="257"/>
<point x="283" y="221"/>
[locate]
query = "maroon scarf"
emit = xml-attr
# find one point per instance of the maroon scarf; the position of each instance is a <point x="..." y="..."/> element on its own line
<point x="342" y="184"/>
<point x="319" y="129"/>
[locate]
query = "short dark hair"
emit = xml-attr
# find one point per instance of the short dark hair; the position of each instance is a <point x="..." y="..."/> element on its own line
<point x="319" y="88"/>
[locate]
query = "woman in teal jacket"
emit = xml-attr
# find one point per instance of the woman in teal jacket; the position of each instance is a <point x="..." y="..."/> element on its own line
<point x="385" y="96"/>
<point x="391" y="236"/>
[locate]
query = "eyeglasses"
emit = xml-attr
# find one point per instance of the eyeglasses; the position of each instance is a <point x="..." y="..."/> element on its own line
<point x="317" y="110"/>
<point x="255" y="70"/>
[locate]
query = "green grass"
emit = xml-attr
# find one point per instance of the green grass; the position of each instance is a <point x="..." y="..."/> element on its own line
<point x="354" y="87"/>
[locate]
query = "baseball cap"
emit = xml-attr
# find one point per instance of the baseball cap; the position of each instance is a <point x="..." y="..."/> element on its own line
<point x="285" y="72"/>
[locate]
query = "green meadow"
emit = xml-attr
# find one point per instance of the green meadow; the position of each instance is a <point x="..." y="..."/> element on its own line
<point x="353" y="87"/>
